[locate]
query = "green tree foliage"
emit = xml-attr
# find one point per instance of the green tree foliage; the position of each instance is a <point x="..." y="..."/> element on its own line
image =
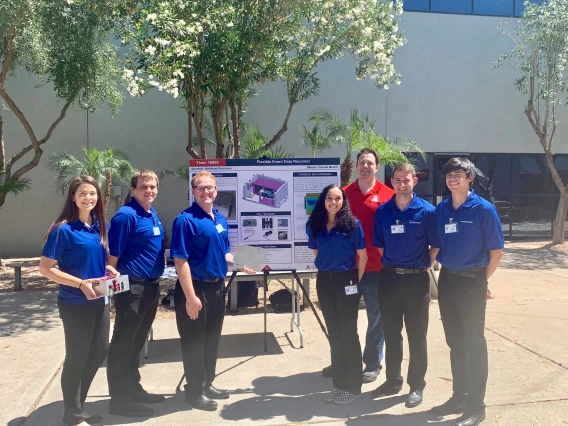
<point x="357" y="133"/>
<point x="314" y="139"/>
<point x="213" y="54"/>
<point x="104" y="166"/>
<point x="541" y="55"/>
<point x="64" y="43"/>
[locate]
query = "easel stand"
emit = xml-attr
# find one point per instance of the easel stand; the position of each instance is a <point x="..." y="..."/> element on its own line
<point x="295" y="305"/>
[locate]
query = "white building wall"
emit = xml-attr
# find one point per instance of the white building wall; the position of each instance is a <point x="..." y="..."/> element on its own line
<point x="451" y="99"/>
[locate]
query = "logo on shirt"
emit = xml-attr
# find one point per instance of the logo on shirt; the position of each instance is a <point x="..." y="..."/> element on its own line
<point x="416" y="223"/>
<point x="375" y="199"/>
<point x="466" y="221"/>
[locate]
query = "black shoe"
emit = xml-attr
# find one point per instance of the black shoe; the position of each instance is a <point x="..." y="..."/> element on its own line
<point x="386" y="389"/>
<point x="454" y="405"/>
<point x="132" y="409"/>
<point x="414" y="398"/>
<point x="147" y="398"/>
<point x="202" y="402"/>
<point x="327" y="371"/>
<point x="470" y="420"/>
<point x="93" y="420"/>
<point x="213" y="393"/>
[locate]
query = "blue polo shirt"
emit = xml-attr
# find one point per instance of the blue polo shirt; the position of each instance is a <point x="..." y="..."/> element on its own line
<point x="203" y="241"/>
<point x="478" y="231"/>
<point x="337" y="251"/>
<point x="408" y="249"/>
<point x="136" y="237"/>
<point x="78" y="250"/>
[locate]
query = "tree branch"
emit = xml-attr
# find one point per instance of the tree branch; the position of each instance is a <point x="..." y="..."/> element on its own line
<point x="278" y="135"/>
<point x="20" y="115"/>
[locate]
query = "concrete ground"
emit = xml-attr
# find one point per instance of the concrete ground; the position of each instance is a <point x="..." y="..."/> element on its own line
<point x="527" y="330"/>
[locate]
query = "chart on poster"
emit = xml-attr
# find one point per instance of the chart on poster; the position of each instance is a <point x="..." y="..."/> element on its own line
<point x="268" y="201"/>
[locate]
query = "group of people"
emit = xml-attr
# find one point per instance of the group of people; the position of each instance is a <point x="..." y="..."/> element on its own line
<point x="368" y="241"/>
<point x="78" y="252"/>
<point x="379" y="243"/>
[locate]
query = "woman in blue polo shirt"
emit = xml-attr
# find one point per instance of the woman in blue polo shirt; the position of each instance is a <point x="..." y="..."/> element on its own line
<point x="74" y="256"/>
<point x="337" y="240"/>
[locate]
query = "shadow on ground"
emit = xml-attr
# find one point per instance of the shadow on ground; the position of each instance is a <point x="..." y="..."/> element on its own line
<point x="27" y="311"/>
<point x="534" y="258"/>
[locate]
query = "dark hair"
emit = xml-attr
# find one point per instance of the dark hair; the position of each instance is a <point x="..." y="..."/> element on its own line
<point x="344" y="219"/>
<point x="70" y="212"/>
<point x="144" y="174"/>
<point x="459" y="163"/>
<point x="368" y="151"/>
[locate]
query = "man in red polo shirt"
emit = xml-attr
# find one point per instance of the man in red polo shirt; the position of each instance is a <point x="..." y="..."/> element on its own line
<point x="365" y="195"/>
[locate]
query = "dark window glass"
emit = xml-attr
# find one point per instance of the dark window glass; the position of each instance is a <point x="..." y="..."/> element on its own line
<point x="451" y="6"/>
<point x="495" y="177"/>
<point x="493" y="7"/>
<point x="530" y="175"/>
<point x="519" y="6"/>
<point x="561" y="163"/>
<point x="419" y="5"/>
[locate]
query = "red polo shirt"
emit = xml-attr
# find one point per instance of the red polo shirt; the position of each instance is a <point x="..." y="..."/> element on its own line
<point x="364" y="207"/>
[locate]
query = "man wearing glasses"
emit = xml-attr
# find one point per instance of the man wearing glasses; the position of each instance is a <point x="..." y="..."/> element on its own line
<point x="471" y="247"/>
<point x="201" y="252"/>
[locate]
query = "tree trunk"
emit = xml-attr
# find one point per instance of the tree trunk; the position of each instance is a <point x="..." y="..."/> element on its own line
<point x="559" y="222"/>
<point x="236" y="120"/>
<point x="346" y="171"/>
<point x="2" y="150"/>
<point x="108" y="188"/>
<point x="128" y="197"/>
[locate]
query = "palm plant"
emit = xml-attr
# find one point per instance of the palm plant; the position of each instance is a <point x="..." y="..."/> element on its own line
<point x="252" y="143"/>
<point x="104" y="166"/>
<point x="13" y="186"/>
<point x="314" y="139"/>
<point x="357" y="133"/>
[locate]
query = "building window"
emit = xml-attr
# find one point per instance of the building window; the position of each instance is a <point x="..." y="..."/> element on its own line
<point x="493" y="7"/>
<point x="451" y="6"/>
<point x="475" y="7"/>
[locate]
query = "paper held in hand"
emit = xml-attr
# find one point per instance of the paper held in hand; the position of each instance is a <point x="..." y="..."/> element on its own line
<point x="249" y="256"/>
<point x="109" y="286"/>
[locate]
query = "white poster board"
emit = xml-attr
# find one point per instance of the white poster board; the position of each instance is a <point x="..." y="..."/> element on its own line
<point x="267" y="203"/>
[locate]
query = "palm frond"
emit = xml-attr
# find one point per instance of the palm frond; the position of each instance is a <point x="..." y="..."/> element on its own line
<point x="14" y="186"/>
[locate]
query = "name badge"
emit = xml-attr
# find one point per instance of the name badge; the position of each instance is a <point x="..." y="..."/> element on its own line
<point x="451" y="228"/>
<point x="397" y="229"/>
<point x="220" y="228"/>
<point x="156" y="230"/>
<point x="350" y="289"/>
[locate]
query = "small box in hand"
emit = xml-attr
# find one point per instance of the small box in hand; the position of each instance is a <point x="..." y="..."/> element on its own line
<point x="109" y="286"/>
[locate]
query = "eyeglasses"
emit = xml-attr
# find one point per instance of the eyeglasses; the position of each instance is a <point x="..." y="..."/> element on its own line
<point x="203" y="188"/>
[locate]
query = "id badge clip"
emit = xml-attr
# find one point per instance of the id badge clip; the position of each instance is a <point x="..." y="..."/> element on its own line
<point x="451" y="228"/>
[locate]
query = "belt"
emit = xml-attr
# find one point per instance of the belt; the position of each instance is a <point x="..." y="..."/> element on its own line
<point x="404" y="271"/>
<point x="209" y="280"/>
<point x="138" y="280"/>
<point x="470" y="273"/>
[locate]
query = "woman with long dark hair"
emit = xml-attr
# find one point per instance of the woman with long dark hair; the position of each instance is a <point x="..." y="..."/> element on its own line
<point x="339" y="245"/>
<point x="75" y="256"/>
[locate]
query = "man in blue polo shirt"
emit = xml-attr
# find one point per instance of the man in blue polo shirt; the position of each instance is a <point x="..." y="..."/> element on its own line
<point x="471" y="246"/>
<point x="201" y="250"/>
<point x="136" y="246"/>
<point x="405" y="234"/>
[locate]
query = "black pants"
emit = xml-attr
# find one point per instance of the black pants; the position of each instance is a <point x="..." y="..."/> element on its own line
<point x="462" y="303"/>
<point x="86" y="329"/>
<point x="135" y="313"/>
<point x="340" y="313"/>
<point x="200" y="337"/>
<point x="405" y="297"/>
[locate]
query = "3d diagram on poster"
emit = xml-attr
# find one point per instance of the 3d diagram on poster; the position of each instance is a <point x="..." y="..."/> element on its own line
<point x="266" y="190"/>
